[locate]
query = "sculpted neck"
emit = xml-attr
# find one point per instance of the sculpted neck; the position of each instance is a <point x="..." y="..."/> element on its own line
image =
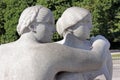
<point x="28" y="38"/>
<point x="73" y="41"/>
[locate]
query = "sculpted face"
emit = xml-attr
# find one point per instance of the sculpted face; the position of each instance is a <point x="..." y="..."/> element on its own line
<point x="44" y="32"/>
<point x="39" y="20"/>
<point x="82" y="29"/>
<point x="77" y="20"/>
<point x="44" y="27"/>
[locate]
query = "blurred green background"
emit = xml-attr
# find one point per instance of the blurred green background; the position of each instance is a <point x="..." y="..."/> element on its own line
<point x="105" y="17"/>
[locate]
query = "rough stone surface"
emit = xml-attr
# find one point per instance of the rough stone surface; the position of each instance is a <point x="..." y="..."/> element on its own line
<point x="32" y="57"/>
<point x="74" y="25"/>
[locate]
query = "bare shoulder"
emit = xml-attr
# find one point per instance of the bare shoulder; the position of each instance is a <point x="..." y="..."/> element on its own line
<point x="6" y="47"/>
<point x="51" y="49"/>
<point x="55" y="48"/>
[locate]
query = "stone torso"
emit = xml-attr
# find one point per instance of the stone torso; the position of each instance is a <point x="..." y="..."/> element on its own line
<point x="106" y="69"/>
<point x="74" y="76"/>
<point x="35" y="61"/>
<point x="22" y="62"/>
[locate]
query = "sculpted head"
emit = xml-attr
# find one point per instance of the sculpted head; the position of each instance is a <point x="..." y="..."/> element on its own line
<point x="39" y="20"/>
<point x="77" y="20"/>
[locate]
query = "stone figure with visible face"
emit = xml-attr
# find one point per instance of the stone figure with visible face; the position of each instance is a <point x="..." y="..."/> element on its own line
<point x="75" y="25"/>
<point x="32" y="57"/>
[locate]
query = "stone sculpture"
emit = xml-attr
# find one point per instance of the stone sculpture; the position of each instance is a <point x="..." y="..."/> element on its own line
<point x="75" y="25"/>
<point x="32" y="57"/>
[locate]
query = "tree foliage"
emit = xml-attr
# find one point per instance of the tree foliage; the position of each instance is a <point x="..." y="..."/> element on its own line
<point x="105" y="13"/>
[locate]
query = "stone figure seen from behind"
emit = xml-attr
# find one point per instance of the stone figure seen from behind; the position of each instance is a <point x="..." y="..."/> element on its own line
<point x="32" y="57"/>
<point x="75" y="25"/>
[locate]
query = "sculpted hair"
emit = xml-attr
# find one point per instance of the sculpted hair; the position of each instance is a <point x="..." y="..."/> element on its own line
<point x="33" y="14"/>
<point x="70" y="17"/>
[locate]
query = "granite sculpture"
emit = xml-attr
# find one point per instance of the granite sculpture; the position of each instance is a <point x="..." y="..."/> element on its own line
<point x="75" y="25"/>
<point x="32" y="57"/>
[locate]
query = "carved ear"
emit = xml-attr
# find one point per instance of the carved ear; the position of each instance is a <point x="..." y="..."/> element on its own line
<point x="32" y="28"/>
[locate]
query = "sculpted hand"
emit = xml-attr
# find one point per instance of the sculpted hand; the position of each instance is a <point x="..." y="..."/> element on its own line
<point x="100" y="40"/>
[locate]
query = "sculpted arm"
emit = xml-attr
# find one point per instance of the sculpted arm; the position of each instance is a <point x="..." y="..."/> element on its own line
<point x="78" y="60"/>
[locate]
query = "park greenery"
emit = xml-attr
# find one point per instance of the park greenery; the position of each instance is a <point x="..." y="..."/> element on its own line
<point x="105" y="16"/>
